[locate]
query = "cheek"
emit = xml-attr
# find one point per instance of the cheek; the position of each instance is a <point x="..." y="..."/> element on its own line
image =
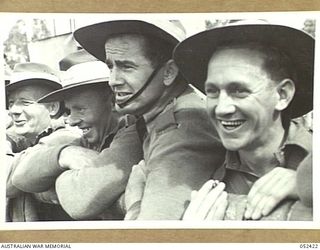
<point x="211" y="105"/>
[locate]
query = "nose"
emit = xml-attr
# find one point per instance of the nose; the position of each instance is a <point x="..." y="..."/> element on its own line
<point x="116" y="78"/>
<point x="224" y="105"/>
<point x="15" y="109"/>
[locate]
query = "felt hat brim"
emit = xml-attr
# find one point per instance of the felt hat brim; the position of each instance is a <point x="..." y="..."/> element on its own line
<point x="93" y="37"/>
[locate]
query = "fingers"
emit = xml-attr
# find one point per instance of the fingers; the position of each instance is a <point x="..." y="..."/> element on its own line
<point x="210" y="199"/>
<point x="206" y="199"/>
<point x="269" y="191"/>
<point x="218" y="210"/>
<point x="196" y="200"/>
<point x="142" y="163"/>
<point x="260" y="193"/>
<point x="135" y="187"/>
<point x="194" y="194"/>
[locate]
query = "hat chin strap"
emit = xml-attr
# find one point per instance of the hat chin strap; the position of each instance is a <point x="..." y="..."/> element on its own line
<point x="123" y="104"/>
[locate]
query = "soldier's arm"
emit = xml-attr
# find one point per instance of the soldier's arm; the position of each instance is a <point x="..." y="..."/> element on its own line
<point x="38" y="167"/>
<point x="86" y="192"/>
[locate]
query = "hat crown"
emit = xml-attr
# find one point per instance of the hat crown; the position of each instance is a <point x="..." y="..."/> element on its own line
<point x="86" y="72"/>
<point x="172" y="27"/>
<point x="30" y="70"/>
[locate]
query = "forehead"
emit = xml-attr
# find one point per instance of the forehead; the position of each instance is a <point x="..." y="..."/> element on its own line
<point x="32" y="92"/>
<point x="81" y="96"/>
<point x="237" y="65"/>
<point x="237" y="57"/>
<point x="125" y="43"/>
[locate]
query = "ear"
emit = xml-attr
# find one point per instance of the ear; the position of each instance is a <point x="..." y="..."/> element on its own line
<point x="54" y="108"/>
<point x="286" y="90"/>
<point x="170" y="72"/>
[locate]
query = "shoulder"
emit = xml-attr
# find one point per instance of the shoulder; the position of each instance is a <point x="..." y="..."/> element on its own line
<point x="18" y="142"/>
<point x="190" y="99"/>
<point x="62" y="136"/>
<point x="299" y="135"/>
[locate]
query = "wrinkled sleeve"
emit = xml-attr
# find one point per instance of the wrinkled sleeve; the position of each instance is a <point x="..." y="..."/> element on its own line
<point x="87" y="192"/>
<point x="181" y="159"/>
<point x="11" y="190"/>
<point x="37" y="168"/>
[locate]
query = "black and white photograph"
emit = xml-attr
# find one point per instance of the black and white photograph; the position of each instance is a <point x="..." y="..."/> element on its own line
<point x="159" y="120"/>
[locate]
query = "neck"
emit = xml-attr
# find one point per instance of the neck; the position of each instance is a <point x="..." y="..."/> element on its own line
<point x="169" y="94"/>
<point x="111" y="124"/>
<point x="260" y="158"/>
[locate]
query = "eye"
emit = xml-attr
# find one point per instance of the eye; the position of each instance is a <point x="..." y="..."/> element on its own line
<point x="27" y="103"/>
<point x="10" y="103"/>
<point x="239" y="92"/>
<point x="127" y="67"/>
<point x="212" y="91"/>
<point x="80" y="110"/>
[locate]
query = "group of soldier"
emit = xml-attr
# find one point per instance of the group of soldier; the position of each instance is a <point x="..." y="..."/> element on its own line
<point x="142" y="123"/>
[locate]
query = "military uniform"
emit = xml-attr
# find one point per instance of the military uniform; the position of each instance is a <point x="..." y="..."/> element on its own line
<point x="181" y="150"/>
<point x="295" y="155"/>
<point x="84" y="193"/>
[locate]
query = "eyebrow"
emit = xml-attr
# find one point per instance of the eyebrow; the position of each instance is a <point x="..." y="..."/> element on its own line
<point x="230" y="84"/>
<point x="23" y="99"/>
<point x="122" y="62"/>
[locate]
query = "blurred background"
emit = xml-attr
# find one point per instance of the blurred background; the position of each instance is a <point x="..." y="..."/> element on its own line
<point x="48" y="40"/>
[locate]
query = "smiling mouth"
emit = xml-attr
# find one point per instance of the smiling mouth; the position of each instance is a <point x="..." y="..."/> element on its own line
<point x="122" y="96"/>
<point x="231" y="125"/>
<point x="85" y="130"/>
<point x="19" y="123"/>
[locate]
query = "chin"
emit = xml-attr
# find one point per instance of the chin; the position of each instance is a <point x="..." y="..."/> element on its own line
<point x="231" y="145"/>
<point x="21" y="131"/>
<point x="128" y="109"/>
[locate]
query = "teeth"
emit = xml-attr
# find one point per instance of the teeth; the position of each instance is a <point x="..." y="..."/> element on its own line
<point x="231" y="124"/>
<point x="85" y="130"/>
<point x="122" y="94"/>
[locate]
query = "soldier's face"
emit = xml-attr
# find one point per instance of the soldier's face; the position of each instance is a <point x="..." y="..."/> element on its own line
<point x="91" y="112"/>
<point x="241" y="99"/>
<point x="129" y="70"/>
<point x="29" y="117"/>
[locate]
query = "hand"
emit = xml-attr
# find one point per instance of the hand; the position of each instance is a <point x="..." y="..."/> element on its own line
<point x="49" y="196"/>
<point x="209" y="203"/>
<point x="134" y="191"/>
<point x="268" y="191"/>
<point x="76" y="157"/>
<point x="9" y="121"/>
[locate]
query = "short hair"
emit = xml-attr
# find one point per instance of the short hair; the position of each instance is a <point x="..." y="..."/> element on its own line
<point x="159" y="52"/>
<point x="277" y="64"/>
<point x="156" y="50"/>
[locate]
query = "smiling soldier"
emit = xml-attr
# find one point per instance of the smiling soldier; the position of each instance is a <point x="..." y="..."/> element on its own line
<point x="87" y="174"/>
<point x="256" y="78"/>
<point x="31" y="123"/>
<point x="179" y="144"/>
